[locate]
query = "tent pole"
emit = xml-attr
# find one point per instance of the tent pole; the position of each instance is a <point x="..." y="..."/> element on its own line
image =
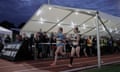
<point x="48" y="2"/>
<point x="99" y="18"/>
<point x="98" y="41"/>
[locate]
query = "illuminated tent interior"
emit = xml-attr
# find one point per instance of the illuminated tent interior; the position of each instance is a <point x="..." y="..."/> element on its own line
<point x="50" y="17"/>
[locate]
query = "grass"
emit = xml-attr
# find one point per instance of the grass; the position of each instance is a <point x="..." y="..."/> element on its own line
<point x="110" y="68"/>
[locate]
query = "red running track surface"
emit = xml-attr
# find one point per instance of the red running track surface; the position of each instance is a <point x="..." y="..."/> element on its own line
<point x="44" y="65"/>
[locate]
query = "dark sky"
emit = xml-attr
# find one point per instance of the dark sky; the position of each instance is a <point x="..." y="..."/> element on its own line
<point x="18" y="11"/>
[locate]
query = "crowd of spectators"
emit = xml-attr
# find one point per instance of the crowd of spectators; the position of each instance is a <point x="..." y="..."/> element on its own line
<point x="88" y="44"/>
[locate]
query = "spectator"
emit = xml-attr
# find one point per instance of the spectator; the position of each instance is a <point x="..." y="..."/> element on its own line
<point x="46" y="49"/>
<point x="83" y="46"/>
<point x="95" y="46"/>
<point x="18" y="38"/>
<point x="31" y="43"/>
<point x="25" y="37"/>
<point x="37" y="41"/>
<point x="7" y="39"/>
<point x="68" y="45"/>
<point x="1" y="44"/>
<point x="89" y="45"/>
<point x="52" y="40"/>
<point x="116" y="47"/>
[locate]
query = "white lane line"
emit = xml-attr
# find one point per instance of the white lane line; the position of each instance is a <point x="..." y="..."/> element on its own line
<point x="78" y="63"/>
<point x="64" y="60"/>
<point x="64" y="65"/>
<point x="26" y="70"/>
<point x="87" y="67"/>
<point x="25" y="63"/>
<point x="39" y="62"/>
<point x="32" y="69"/>
<point x="32" y="64"/>
<point x="78" y="69"/>
<point x="50" y="66"/>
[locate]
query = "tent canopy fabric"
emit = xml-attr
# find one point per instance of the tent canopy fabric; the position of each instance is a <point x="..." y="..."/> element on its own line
<point x="50" y="17"/>
<point x="5" y="31"/>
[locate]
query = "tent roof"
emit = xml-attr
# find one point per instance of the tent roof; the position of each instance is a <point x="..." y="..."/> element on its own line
<point x="5" y="31"/>
<point x="50" y="17"/>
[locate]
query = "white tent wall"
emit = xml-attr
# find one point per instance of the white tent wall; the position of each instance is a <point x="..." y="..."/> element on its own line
<point x="112" y="23"/>
<point x="112" y="18"/>
<point x="50" y="17"/>
<point x="4" y="32"/>
<point x="92" y="30"/>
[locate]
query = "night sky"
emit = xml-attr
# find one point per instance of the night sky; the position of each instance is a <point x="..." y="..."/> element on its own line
<point x="18" y="11"/>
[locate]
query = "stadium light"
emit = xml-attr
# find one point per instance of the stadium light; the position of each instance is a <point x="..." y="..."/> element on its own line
<point x="84" y="26"/>
<point x="76" y="13"/>
<point x="50" y="8"/>
<point x="38" y="13"/>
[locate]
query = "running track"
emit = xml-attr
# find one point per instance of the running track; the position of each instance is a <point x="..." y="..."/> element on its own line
<point x="43" y="65"/>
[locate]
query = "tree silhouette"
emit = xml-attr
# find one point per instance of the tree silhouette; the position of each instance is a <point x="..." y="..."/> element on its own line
<point x="7" y="24"/>
<point x="21" y="25"/>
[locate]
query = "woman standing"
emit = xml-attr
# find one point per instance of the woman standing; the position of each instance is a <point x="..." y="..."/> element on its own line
<point x="75" y="46"/>
<point x="37" y="42"/>
<point x="60" y="44"/>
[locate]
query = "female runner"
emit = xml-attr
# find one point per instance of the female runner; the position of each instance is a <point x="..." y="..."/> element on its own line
<point x="60" y="45"/>
<point x="75" y="46"/>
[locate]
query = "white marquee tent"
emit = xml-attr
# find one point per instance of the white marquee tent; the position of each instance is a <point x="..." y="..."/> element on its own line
<point x="50" y="17"/>
<point x="5" y="31"/>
